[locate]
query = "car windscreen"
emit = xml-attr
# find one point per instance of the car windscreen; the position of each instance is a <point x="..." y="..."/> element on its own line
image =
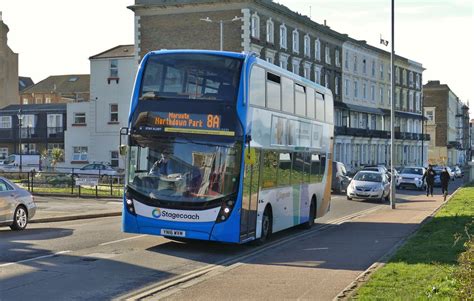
<point x="368" y="177"/>
<point x="414" y="171"/>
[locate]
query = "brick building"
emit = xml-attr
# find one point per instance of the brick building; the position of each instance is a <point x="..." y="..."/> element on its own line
<point x="447" y="116"/>
<point x="58" y="89"/>
<point x="8" y="69"/>
<point x="309" y="49"/>
<point x="276" y="33"/>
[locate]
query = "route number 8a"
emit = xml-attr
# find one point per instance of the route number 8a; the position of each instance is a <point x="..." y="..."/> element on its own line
<point x="213" y="121"/>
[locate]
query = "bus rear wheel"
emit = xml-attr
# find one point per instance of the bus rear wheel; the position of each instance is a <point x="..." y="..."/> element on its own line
<point x="312" y="215"/>
<point x="267" y="222"/>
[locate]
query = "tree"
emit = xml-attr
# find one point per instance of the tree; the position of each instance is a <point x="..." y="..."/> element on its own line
<point x="53" y="156"/>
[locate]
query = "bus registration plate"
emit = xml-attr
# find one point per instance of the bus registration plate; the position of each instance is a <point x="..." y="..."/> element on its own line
<point x="169" y="232"/>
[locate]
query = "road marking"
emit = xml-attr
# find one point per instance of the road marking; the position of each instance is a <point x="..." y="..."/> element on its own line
<point x="120" y="240"/>
<point x="36" y="258"/>
<point x="230" y="263"/>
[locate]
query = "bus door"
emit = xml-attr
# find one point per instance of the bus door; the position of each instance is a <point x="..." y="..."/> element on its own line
<point x="248" y="214"/>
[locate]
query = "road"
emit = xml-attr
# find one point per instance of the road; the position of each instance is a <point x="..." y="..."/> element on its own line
<point x="93" y="259"/>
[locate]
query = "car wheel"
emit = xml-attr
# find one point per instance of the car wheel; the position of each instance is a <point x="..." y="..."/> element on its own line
<point x="387" y="198"/>
<point x="312" y="215"/>
<point x="267" y="222"/>
<point x="349" y="198"/>
<point x="20" y="218"/>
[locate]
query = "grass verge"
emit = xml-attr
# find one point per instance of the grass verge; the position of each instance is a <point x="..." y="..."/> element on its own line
<point x="436" y="263"/>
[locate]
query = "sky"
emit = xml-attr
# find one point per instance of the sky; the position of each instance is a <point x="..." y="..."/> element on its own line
<point x="56" y="37"/>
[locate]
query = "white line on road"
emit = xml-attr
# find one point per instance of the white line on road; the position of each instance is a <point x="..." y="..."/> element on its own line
<point x="36" y="258"/>
<point x="120" y="240"/>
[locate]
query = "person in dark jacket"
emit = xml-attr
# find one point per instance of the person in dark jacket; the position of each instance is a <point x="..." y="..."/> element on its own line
<point x="429" y="176"/>
<point x="444" y="177"/>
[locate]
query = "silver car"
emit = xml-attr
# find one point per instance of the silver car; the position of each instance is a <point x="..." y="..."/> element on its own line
<point x="17" y="206"/>
<point x="369" y="185"/>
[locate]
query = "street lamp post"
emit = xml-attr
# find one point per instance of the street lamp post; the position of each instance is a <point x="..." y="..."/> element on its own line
<point x="392" y="113"/>
<point x="221" y="27"/>
<point x="20" y="120"/>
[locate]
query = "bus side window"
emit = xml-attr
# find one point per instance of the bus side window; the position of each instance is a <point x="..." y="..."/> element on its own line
<point x="323" y="167"/>
<point x="270" y="167"/>
<point x="315" y="168"/>
<point x="329" y="109"/>
<point x="310" y="103"/>
<point x="288" y="95"/>
<point x="297" y="173"/>
<point x="300" y="100"/>
<point x="320" y="110"/>
<point x="284" y="169"/>
<point x="257" y="86"/>
<point x="273" y="91"/>
<point x="307" y="167"/>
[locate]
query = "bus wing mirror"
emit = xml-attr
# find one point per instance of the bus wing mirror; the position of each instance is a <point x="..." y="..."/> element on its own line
<point x="250" y="156"/>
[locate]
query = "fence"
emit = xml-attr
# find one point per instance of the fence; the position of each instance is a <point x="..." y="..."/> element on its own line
<point x="69" y="183"/>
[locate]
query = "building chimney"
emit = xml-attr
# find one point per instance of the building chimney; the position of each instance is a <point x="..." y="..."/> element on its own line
<point x="325" y="23"/>
<point x="1" y="19"/>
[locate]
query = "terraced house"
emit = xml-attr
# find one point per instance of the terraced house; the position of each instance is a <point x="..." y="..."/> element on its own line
<point x="358" y="74"/>
<point x="271" y="30"/>
<point x="363" y="118"/>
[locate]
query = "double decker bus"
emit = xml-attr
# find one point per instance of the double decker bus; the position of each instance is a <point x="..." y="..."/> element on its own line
<point x="225" y="147"/>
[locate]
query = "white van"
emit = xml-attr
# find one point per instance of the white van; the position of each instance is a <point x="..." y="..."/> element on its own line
<point x="28" y="163"/>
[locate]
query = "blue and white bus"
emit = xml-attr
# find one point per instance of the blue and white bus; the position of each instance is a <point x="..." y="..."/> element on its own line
<point x="225" y="147"/>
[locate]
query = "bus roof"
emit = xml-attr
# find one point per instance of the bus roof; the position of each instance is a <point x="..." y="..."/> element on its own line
<point x="201" y="51"/>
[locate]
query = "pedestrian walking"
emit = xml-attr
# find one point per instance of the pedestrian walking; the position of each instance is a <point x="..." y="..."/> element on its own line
<point x="429" y="176"/>
<point x="444" y="177"/>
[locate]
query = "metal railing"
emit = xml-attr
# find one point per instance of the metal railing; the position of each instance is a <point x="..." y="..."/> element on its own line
<point x="32" y="133"/>
<point x="65" y="183"/>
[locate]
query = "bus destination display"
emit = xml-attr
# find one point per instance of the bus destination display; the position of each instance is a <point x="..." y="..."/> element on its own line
<point x="171" y="122"/>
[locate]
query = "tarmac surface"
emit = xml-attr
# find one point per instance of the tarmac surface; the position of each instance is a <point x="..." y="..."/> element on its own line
<point x="92" y="259"/>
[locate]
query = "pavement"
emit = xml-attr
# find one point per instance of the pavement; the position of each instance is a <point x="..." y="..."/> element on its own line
<point x="56" y="209"/>
<point x="323" y="266"/>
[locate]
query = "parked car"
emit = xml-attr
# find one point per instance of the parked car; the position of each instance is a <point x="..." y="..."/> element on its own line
<point x="28" y="163"/>
<point x="18" y="206"/>
<point x="411" y="177"/>
<point x="96" y="169"/>
<point x="378" y="168"/>
<point x="369" y="185"/>
<point x="340" y="179"/>
<point x="458" y="173"/>
<point x="438" y="170"/>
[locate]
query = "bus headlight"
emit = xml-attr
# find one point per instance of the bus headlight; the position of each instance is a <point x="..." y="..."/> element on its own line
<point x="226" y="210"/>
<point x="130" y="207"/>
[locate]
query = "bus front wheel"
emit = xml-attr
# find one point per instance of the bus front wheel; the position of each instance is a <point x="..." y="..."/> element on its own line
<point x="267" y="222"/>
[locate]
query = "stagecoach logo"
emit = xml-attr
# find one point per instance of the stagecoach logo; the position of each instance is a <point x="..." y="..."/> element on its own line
<point x="156" y="213"/>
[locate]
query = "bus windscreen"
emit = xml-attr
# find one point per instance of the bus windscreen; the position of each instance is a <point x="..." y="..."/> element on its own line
<point x="191" y="76"/>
